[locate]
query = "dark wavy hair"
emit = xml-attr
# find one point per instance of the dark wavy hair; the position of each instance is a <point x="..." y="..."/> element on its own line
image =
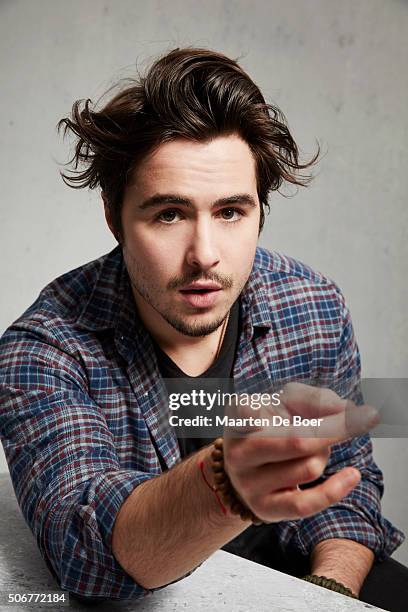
<point x="190" y="93"/>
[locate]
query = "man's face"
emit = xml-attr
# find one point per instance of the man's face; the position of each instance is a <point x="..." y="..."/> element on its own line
<point x="190" y="222"/>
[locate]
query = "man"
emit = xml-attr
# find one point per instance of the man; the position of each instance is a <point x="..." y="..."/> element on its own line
<point x="185" y="159"/>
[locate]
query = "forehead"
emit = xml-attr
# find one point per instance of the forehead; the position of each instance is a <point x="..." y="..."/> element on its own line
<point x="223" y="163"/>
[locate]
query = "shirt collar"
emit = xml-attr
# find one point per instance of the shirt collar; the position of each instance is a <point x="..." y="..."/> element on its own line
<point x="107" y="295"/>
<point x="256" y="303"/>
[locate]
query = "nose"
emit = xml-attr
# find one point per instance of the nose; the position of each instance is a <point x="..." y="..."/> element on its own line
<point x="202" y="252"/>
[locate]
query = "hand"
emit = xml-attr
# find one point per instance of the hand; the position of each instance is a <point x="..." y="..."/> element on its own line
<point x="265" y="465"/>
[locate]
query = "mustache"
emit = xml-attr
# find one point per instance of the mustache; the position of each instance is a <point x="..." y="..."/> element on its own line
<point x="226" y="282"/>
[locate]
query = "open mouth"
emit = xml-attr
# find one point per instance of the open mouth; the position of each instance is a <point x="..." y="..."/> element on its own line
<point x="203" y="297"/>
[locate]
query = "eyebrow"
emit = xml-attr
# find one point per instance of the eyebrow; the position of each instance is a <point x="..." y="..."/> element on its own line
<point x="163" y="199"/>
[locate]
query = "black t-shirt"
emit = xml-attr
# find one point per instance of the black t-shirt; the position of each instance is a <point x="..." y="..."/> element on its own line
<point x="221" y="368"/>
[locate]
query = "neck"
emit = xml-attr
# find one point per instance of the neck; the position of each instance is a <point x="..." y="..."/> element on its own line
<point x="196" y="360"/>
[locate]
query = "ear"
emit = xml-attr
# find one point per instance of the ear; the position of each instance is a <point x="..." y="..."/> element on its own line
<point x="108" y="215"/>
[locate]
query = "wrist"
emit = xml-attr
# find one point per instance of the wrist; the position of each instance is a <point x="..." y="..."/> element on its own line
<point x="224" y="488"/>
<point x="219" y="513"/>
<point x="343" y="578"/>
<point x="330" y="584"/>
<point x="344" y="560"/>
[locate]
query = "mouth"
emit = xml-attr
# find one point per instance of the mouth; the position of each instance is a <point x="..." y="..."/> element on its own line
<point x="202" y="286"/>
<point x="200" y="295"/>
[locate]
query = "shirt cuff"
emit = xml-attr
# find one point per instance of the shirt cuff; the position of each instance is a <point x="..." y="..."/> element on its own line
<point x="347" y="522"/>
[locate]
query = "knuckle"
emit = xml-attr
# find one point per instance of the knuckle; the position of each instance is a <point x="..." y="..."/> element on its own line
<point x="233" y="456"/>
<point x="292" y="386"/>
<point x="300" y="507"/>
<point x="330" y="400"/>
<point x="244" y="484"/>
<point x="329" y="395"/>
<point x="258" y="505"/>
<point x="314" y="467"/>
<point x="326" y="452"/>
<point x="298" y="445"/>
<point x="316" y="394"/>
<point x="290" y="391"/>
<point x="287" y="387"/>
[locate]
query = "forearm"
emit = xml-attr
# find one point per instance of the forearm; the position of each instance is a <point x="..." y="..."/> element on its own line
<point x="171" y="524"/>
<point x="343" y="560"/>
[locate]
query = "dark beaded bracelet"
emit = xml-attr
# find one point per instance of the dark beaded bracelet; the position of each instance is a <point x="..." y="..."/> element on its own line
<point x="330" y="583"/>
<point x="225" y="489"/>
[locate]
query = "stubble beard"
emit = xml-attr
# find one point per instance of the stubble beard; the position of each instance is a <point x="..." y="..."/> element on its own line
<point x="194" y="329"/>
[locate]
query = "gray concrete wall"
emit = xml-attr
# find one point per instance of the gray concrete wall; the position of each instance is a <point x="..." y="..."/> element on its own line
<point x="338" y="71"/>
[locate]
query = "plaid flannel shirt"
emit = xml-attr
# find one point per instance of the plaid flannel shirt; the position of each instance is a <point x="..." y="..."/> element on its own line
<point x="79" y="415"/>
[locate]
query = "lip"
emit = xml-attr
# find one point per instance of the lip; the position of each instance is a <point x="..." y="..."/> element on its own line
<point x="201" y="300"/>
<point x="204" y="285"/>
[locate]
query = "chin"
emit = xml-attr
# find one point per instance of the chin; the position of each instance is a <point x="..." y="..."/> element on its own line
<point x="194" y="328"/>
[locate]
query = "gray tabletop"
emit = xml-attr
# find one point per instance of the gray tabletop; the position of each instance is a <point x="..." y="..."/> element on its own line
<point x="223" y="582"/>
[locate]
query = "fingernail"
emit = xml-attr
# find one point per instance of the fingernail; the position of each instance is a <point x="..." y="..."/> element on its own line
<point x="372" y="415"/>
<point x="353" y="475"/>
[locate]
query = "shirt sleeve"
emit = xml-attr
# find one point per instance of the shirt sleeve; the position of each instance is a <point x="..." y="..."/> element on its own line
<point x="63" y="464"/>
<point x="358" y="515"/>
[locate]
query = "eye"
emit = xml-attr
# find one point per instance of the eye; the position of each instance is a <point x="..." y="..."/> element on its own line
<point x="168" y="216"/>
<point x="231" y="214"/>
